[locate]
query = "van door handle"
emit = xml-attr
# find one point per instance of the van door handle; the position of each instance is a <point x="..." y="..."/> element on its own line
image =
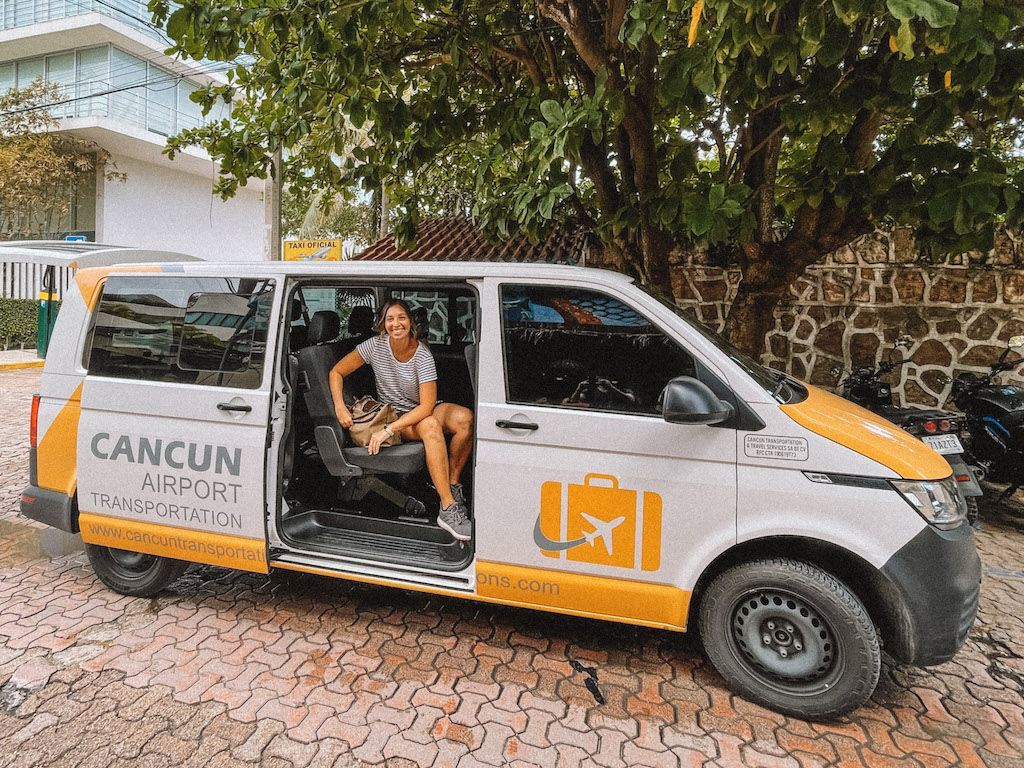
<point x="234" y="407"/>
<point x="506" y="424"/>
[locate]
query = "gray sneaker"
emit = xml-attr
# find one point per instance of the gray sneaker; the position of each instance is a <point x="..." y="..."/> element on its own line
<point x="459" y="493"/>
<point x="455" y="520"/>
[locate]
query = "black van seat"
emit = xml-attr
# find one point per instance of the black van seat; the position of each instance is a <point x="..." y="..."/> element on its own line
<point x="346" y="461"/>
<point x="401" y="459"/>
<point x="324" y="327"/>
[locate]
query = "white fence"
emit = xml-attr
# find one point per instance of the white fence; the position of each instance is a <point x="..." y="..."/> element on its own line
<point x="25" y="281"/>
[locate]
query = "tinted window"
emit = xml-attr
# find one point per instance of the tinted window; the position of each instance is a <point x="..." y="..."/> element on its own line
<point x="583" y="349"/>
<point x="210" y="331"/>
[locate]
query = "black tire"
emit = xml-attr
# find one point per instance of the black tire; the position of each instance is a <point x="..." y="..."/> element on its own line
<point x="822" y="659"/>
<point x="133" y="573"/>
<point x="972" y="509"/>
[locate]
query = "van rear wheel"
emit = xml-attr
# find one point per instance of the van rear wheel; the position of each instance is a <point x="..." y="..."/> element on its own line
<point x="791" y="637"/>
<point x="133" y="573"/>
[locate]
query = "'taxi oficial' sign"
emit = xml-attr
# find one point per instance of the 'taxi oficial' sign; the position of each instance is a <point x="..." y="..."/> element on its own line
<point x="312" y="250"/>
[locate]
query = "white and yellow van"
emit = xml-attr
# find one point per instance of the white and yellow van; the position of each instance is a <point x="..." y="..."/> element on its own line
<point x="628" y="464"/>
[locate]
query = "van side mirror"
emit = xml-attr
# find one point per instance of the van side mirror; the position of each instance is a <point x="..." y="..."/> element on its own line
<point x="688" y="401"/>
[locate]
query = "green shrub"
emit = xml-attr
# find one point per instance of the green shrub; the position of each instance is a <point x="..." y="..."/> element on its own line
<point x="18" y="319"/>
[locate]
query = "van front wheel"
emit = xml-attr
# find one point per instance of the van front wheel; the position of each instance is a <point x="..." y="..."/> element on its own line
<point x="133" y="573"/>
<point x="790" y="637"/>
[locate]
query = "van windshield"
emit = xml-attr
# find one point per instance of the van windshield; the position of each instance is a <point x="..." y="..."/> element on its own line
<point x="781" y="386"/>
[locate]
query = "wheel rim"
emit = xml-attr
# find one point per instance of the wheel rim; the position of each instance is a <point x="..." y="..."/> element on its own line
<point x="785" y="642"/>
<point x="131" y="563"/>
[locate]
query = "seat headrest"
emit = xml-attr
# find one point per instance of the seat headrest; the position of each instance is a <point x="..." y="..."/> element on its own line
<point x="324" y="326"/>
<point x="360" y="322"/>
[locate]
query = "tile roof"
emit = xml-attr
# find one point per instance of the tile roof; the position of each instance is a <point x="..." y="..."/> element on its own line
<point x="458" y="239"/>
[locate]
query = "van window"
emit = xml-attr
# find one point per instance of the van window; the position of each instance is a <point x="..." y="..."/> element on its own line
<point x="583" y="349"/>
<point x="202" y="330"/>
<point x="448" y="318"/>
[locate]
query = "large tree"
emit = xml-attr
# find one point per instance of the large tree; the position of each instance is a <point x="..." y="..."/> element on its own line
<point x="773" y="131"/>
<point x="39" y="167"/>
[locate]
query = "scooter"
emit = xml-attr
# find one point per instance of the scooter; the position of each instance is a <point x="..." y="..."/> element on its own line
<point x="939" y="430"/>
<point x="995" y="420"/>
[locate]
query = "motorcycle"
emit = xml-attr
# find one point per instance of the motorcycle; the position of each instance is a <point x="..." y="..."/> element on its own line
<point x="995" y="420"/>
<point x="940" y="430"/>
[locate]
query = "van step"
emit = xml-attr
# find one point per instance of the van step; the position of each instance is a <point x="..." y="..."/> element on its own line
<point x="367" y="538"/>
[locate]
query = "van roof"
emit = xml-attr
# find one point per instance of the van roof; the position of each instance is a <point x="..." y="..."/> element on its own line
<point x="398" y="269"/>
<point x="75" y="254"/>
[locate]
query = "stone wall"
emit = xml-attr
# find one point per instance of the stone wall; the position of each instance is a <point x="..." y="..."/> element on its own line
<point x="848" y="310"/>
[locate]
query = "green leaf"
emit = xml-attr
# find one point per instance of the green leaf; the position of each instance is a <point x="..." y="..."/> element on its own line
<point x="677" y="79"/>
<point x="700" y="222"/>
<point x="961" y="222"/>
<point x="357" y="114"/>
<point x="636" y="30"/>
<point x="264" y="47"/>
<point x="834" y="44"/>
<point x="716" y="196"/>
<point x="943" y="207"/>
<point x="552" y="111"/>
<point x="668" y="213"/>
<point x="705" y="79"/>
<point x="547" y="205"/>
<point x="1011" y="196"/>
<point x="177" y="24"/>
<point x="813" y="29"/>
<point x="938" y="13"/>
<point x="600" y="81"/>
<point x="905" y="39"/>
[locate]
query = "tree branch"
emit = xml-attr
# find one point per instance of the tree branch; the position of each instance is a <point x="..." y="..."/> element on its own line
<point x="549" y="51"/>
<point x="613" y="23"/>
<point x="522" y="56"/>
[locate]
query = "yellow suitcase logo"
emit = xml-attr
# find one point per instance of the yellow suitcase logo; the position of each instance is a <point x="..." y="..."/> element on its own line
<point x="600" y="523"/>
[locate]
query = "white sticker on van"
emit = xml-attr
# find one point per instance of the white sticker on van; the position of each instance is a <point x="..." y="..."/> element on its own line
<point x="775" y="447"/>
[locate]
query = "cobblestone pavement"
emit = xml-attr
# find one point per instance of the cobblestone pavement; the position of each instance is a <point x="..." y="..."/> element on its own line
<point x="230" y="669"/>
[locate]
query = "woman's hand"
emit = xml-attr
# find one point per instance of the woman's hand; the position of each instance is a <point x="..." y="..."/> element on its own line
<point x="376" y="439"/>
<point x="343" y="416"/>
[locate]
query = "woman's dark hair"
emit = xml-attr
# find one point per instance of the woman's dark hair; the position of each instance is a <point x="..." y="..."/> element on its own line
<point x="379" y="325"/>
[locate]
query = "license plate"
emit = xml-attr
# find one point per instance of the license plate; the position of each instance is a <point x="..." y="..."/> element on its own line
<point x="943" y="443"/>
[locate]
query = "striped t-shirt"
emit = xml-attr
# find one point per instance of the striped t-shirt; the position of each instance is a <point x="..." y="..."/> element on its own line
<point x="398" y="383"/>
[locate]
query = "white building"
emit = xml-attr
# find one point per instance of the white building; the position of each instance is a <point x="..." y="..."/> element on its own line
<point x="110" y="48"/>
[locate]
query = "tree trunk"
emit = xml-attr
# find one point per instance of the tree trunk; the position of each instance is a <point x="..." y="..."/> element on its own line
<point x="766" y="279"/>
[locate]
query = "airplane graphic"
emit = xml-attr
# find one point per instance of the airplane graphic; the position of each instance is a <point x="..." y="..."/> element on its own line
<point x="602" y="530"/>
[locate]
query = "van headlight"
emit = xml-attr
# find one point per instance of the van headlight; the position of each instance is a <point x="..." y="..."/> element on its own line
<point x="940" y="502"/>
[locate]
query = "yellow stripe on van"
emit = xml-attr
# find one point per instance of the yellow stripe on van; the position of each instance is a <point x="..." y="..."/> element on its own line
<point x="177" y="543"/>
<point x="89" y="280"/>
<point x="600" y="597"/>
<point x="868" y="434"/>
<point x="667" y="607"/>
<point x="56" y="467"/>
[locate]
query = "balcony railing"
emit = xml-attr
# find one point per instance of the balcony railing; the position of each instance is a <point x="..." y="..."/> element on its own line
<point x="135" y="107"/>
<point x="21" y="13"/>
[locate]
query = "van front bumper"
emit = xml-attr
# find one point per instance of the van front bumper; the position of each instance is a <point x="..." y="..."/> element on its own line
<point x="52" y="508"/>
<point x="937" y="575"/>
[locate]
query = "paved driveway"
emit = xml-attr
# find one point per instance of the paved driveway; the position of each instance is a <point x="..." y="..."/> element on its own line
<point x="230" y="669"/>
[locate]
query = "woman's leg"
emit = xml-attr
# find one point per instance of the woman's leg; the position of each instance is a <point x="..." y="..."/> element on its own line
<point x="456" y="421"/>
<point x="429" y="431"/>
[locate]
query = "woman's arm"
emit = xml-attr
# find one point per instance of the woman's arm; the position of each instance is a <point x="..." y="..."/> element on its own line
<point x="345" y="367"/>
